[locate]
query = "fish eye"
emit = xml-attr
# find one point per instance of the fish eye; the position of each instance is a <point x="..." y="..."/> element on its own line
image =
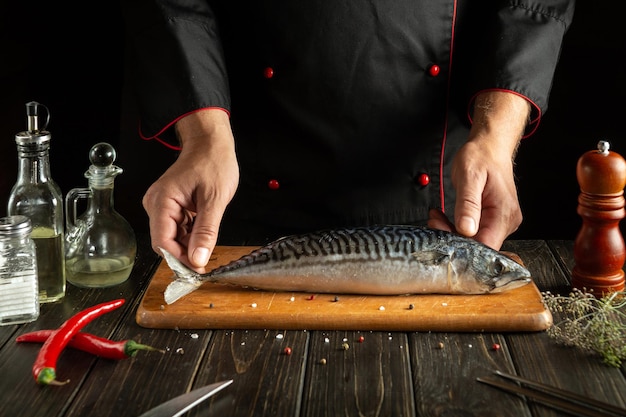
<point x="498" y="267"/>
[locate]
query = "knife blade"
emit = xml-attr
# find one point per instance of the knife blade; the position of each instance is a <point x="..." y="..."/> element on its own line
<point x="177" y="406"/>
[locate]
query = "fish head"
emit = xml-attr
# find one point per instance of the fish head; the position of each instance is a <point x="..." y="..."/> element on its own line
<point x="488" y="271"/>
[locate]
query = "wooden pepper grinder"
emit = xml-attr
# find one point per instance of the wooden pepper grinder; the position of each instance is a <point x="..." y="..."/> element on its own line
<point x="599" y="250"/>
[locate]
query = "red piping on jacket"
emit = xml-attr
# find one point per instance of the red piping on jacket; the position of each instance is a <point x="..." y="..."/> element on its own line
<point x="172" y="123"/>
<point x="445" y="124"/>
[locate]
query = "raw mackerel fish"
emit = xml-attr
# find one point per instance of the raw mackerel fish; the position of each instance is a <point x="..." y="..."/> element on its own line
<point x="379" y="260"/>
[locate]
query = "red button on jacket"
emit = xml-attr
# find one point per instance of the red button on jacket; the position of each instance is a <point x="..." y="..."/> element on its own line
<point x="423" y="180"/>
<point x="273" y="185"/>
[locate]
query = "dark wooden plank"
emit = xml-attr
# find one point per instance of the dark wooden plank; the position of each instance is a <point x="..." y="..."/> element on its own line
<point x="564" y="252"/>
<point x="445" y="378"/>
<point x="23" y="396"/>
<point x="387" y="374"/>
<point x="368" y="378"/>
<point x="266" y="380"/>
<point x="16" y="360"/>
<point x="445" y="367"/>
<point x="546" y="271"/>
<point x="137" y="384"/>
<point x="540" y="358"/>
<point x="7" y="333"/>
<point x="17" y="383"/>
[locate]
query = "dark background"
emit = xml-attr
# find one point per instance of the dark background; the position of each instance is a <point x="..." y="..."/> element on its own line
<point x="73" y="62"/>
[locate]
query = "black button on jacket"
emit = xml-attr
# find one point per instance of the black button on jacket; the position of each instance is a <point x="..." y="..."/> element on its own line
<point x="346" y="111"/>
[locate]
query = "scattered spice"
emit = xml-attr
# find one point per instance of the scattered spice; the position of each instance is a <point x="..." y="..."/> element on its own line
<point x="381" y="308"/>
<point x="311" y="297"/>
<point x="411" y="306"/>
<point x="180" y="351"/>
<point x="323" y="361"/>
<point x="211" y="305"/>
<point x="345" y="346"/>
<point x="253" y="305"/>
<point x="440" y="345"/>
<point x="361" y="339"/>
<point x="44" y="368"/>
<point x="336" y="298"/>
<point x="495" y="346"/>
<point x="287" y="351"/>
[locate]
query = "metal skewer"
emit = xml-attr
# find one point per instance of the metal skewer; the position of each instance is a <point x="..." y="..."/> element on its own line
<point x="555" y="397"/>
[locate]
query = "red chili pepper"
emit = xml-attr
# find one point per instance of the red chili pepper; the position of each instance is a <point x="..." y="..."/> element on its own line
<point x="90" y="343"/>
<point x="44" y="368"/>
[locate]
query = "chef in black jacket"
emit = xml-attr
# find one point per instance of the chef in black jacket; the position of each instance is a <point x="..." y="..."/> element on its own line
<point x="292" y="116"/>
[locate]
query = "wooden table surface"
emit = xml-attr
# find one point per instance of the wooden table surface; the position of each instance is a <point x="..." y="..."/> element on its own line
<point x="387" y="374"/>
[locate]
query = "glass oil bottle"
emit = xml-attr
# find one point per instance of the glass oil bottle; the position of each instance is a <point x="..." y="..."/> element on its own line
<point x="36" y="196"/>
<point x="100" y="244"/>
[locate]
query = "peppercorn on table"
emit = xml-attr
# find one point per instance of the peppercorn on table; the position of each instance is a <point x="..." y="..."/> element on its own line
<point x="287" y="372"/>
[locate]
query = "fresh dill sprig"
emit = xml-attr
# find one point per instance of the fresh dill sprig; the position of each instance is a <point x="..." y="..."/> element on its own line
<point x="595" y="324"/>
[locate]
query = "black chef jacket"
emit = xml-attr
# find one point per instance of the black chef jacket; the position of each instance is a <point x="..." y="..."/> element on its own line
<point x="344" y="112"/>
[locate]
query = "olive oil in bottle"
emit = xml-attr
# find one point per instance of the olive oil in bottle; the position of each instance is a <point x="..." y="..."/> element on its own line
<point x="100" y="244"/>
<point x="36" y="196"/>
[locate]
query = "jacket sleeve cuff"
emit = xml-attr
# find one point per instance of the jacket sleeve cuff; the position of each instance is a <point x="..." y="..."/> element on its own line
<point x="166" y="136"/>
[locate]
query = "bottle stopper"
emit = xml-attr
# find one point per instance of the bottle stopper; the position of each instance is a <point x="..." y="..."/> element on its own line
<point x="102" y="172"/>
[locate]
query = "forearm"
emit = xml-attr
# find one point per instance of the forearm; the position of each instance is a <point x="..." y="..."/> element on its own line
<point x="499" y="121"/>
<point x="205" y="130"/>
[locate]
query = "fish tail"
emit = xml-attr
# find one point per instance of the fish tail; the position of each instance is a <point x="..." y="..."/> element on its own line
<point x="178" y="289"/>
<point x="187" y="280"/>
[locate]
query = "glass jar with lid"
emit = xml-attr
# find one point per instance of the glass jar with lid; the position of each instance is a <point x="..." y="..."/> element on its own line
<point x="19" y="289"/>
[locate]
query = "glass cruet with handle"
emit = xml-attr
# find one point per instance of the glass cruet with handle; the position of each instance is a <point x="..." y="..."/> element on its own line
<point x="100" y="243"/>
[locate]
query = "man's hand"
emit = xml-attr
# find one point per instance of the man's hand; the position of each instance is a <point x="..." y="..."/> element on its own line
<point x="186" y="204"/>
<point x="487" y="207"/>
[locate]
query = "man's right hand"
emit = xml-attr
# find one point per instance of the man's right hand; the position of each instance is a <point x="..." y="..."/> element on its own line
<point x="186" y="204"/>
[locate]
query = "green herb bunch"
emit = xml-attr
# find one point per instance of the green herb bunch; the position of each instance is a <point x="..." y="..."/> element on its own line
<point x="596" y="324"/>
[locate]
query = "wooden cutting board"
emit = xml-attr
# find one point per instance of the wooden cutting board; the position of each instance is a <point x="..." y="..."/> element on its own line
<point x="218" y="306"/>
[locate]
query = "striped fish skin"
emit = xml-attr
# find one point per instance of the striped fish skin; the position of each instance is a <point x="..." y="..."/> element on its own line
<point x="378" y="260"/>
